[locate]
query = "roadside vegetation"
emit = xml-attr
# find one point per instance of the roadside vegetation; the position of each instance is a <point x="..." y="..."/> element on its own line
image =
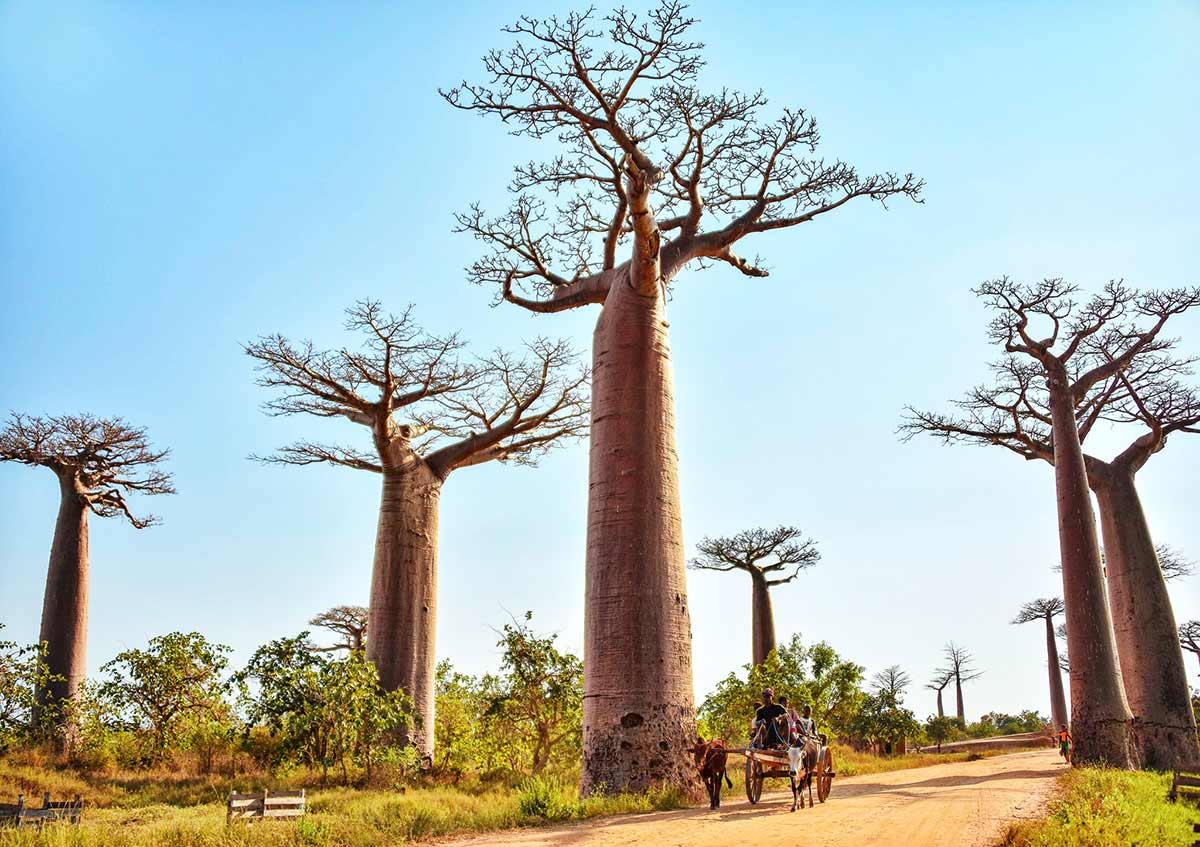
<point x="1106" y="807"/>
<point x="162" y="736"/>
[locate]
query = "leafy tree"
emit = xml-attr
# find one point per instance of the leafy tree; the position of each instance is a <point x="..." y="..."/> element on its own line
<point x="939" y="728"/>
<point x="23" y="672"/>
<point x="816" y="676"/>
<point x="178" y="676"/>
<point x="543" y="688"/>
<point x="883" y="721"/>
<point x="322" y="712"/>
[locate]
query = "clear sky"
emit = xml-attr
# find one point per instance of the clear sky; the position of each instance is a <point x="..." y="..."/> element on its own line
<point x="178" y="178"/>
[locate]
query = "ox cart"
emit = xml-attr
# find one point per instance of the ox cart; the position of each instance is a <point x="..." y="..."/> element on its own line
<point x="815" y="769"/>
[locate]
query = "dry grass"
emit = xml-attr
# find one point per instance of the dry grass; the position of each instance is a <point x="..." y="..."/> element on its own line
<point x="167" y="807"/>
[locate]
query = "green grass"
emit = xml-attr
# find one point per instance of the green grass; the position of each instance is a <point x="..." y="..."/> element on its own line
<point x="1101" y="807"/>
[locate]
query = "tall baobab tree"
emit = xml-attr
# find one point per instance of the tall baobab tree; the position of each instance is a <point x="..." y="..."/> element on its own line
<point x="98" y="461"/>
<point x="1046" y="609"/>
<point x="772" y="557"/>
<point x="959" y="664"/>
<point x="939" y="682"/>
<point x="647" y="175"/>
<point x="347" y="622"/>
<point x="1147" y="390"/>
<point x="1189" y="637"/>
<point x="1085" y="355"/>
<point x="505" y="407"/>
<point x="891" y="680"/>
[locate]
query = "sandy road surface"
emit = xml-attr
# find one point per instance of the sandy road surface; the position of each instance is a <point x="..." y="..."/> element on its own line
<point x="964" y="803"/>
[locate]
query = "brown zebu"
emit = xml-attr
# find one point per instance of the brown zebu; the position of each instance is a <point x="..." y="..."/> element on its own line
<point x="711" y="759"/>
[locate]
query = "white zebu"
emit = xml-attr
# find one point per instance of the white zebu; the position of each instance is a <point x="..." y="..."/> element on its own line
<point x="802" y="763"/>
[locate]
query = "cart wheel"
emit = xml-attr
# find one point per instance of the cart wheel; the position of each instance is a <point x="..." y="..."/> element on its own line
<point x="754" y="780"/>
<point x="825" y="776"/>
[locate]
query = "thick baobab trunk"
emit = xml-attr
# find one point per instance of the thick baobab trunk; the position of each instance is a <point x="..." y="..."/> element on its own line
<point x="1101" y="723"/>
<point x="638" y="713"/>
<point x="1058" y="699"/>
<point x="65" y="603"/>
<point x="402" y="618"/>
<point x="962" y="715"/>
<point x="941" y="714"/>
<point x="763" y="621"/>
<point x="1144" y="623"/>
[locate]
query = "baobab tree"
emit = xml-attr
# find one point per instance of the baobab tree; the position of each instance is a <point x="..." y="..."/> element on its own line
<point x="504" y="407"/>
<point x="1189" y="637"/>
<point x="1087" y="353"/>
<point x="891" y="680"/>
<point x="1046" y="609"/>
<point x="939" y="682"/>
<point x="98" y="461"/>
<point x="959" y="664"/>
<point x="647" y="175"/>
<point x="347" y="622"/>
<point x="1172" y="563"/>
<point x="1146" y="390"/>
<point x="772" y="557"/>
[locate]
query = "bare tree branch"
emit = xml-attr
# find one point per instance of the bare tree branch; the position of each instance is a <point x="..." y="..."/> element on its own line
<point x="778" y="554"/>
<point x="103" y="458"/>
<point x="645" y="158"/>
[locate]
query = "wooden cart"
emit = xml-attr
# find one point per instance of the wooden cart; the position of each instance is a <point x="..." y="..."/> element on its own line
<point x="762" y="765"/>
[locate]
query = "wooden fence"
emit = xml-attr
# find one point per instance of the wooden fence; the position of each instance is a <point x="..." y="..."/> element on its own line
<point x="279" y="805"/>
<point x="51" y="811"/>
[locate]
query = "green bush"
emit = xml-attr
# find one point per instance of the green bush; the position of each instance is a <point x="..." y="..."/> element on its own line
<point x="545" y="798"/>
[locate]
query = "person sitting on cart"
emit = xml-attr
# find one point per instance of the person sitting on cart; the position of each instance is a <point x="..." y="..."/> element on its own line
<point x="806" y="726"/>
<point x="793" y="721"/>
<point x="768" y="733"/>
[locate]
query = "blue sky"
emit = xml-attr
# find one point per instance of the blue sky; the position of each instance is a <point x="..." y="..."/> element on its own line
<point x="180" y="178"/>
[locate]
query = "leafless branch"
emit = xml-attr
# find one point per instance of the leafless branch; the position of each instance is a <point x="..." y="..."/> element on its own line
<point x="103" y="458"/>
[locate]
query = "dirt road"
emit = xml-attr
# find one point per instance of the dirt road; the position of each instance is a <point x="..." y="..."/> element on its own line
<point x="965" y="803"/>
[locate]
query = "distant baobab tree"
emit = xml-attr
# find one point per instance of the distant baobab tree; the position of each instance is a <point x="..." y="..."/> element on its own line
<point x="348" y="622"/>
<point x="1046" y="609"/>
<point x="1082" y="363"/>
<point x="646" y="176"/>
<point x="1172" y="563"/>
<point x="1064" y="660"/>
<point x="1189" y="637"/>
<point x="959" y="664"/>
<point x="891" y="680"/>
<point x="98" y="461"/>
<point x="504" y="407"/>
<point x="939" y="682"/>
<point x="771" y="557"/>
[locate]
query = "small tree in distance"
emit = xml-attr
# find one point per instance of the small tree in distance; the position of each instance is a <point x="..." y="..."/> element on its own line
<point x="891" y="680"/>
<point x="1046" y="609"/>
<point x="98" y="461"/>
<point x="349" y="622"/>
<point x="959" y="666"/>
<point x="771" y="557"/>
<point x="1189" y="637"/>
<point x="938" y="683"/>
